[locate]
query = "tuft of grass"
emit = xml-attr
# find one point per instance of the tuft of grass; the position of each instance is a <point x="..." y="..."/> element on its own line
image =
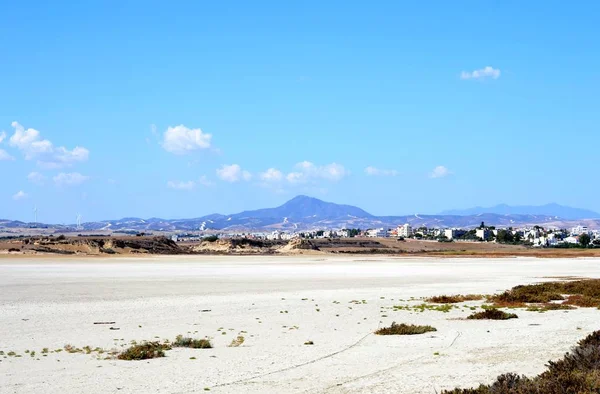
<point x="492" y="314"/>
<point x="404" y="329"/>
<point x="237" y="341"/>
<point x="454" y="299"/>
<point x="578" y="372"/>
<point x="182" y="341"/>
<point x="309" y="343"/>
<point x="144" y="351"/>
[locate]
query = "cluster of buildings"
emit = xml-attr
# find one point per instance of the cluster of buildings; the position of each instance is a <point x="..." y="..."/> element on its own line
<point x="535" y="236"/>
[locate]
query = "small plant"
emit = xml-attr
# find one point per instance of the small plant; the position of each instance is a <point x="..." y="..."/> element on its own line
<point x="404" y="329"/>
<point x="492" y="314"/>
<point x="309" y="343"/>
<point x="144" y="351"/>
<point x="454" y="299"/>
<point x="181" y="341"/>
<point x="237" y="341"/>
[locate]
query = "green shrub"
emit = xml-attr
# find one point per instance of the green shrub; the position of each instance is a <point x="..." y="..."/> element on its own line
<point x="144" y="351"/>
<point x="404" y="329"/>
<point x="180" y="341"/>
<point x="492" y="314"/>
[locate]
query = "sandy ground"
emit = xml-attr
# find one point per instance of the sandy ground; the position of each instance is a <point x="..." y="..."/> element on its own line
<point x="277" y="304"/>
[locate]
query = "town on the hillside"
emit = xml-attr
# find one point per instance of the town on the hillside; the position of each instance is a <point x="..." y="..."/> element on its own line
<point x="535" y="236"/>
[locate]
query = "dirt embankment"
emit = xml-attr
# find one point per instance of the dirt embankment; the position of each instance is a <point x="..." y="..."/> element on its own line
<point x="91" y="245"/>
<point x="130" y="245"/>
<point x="253" y="247"/>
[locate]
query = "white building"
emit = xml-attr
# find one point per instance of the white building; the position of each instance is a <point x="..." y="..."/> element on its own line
<point x="452" y="233"/>
<point x="579" y="230"/>
<point x="483" y="233"/>
<point x="377" y="233"/>
<point x="404" y="231"/>
<point x="275" y="235"/>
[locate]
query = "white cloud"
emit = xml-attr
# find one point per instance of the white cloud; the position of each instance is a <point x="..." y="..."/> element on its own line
<point x="181" y="140"/>
<point x="181" y="185"/>
<point x="374" y="171"/>
<point x="486" y="72"/>
<point x="307" y="171"/>
<point x="47" y="155"/>
<point x="69" y="179"/>
<point x="204" y="181"/>
<point x="271" y="175"/>
<point x="440" y="172"/>
<point x="233" y="173"/>
<point x="189" y="185"/>
<point x="20" y="195"/>
<point x="5" y="156"/>
<point x="2" y="136"/>
<point x="36" y="177"/>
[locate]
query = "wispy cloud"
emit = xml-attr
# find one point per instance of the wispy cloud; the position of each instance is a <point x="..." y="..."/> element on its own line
<point x="374" y="171"/>
<point x="271" y="175"/>
<point x="190" y="185"/>
<point x="36" y="177"/>
<point x="69" y="179"/>
<point x="233" y="173"/>
<point x="20" y="195"/>
<point x="483" y="73"/>
<point x="31" y="144"/>
<point x="182" y="140"/>
<point x="440" y="172"/>
<point x="181" y="185"/>
<point x="306" y="171"/>
<point x="4" y="156"/>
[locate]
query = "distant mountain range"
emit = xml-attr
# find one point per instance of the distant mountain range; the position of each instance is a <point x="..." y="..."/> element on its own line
<point x="303" y="213"/>
<point x="556" y="210"/>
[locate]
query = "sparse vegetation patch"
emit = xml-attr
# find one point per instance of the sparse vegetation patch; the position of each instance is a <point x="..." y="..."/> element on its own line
<point x="454" y="299"/>
<point x="492" y="314"/>
<point x="144" y="351"/>
<point x="192" y="343"/>
<point x="404" y="329"/>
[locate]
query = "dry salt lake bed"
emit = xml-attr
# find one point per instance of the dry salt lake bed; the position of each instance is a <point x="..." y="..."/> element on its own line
<point x="277" y="304"/>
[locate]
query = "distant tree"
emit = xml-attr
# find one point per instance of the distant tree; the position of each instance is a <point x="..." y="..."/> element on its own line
<point x="320" y="233"/>
<point x="518" y="237"/>
<point x="585" y="239"/>
<point x="482" y="226"/>
<point x="505" y="236"/>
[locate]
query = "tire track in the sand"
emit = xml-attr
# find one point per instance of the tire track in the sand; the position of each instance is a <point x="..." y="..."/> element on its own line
<point x="244" y="380"/>
<point x="338" y="385"/>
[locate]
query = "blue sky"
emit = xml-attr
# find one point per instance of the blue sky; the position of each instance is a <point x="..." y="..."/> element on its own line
<point x="180" y="109"/>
